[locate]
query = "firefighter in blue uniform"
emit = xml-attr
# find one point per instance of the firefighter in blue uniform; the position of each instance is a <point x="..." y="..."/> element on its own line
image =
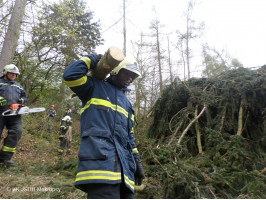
<point x="65" y="133"/>
<point x="109" y="163"/>
<point x="11" y="92"/>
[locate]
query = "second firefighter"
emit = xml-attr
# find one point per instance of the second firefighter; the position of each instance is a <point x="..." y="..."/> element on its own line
<point x="65" y="133"/>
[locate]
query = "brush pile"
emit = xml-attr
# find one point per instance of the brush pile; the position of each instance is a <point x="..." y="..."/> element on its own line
<point x="207" y="138"/>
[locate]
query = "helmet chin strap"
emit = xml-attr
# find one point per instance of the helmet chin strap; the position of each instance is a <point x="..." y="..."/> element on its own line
<point x="7" y="78"/>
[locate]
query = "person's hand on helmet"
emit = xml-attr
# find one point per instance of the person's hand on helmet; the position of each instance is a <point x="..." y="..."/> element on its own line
<point x="94" y="59"/>
<point x="139" y="174"/>
<point x="2" y="101"/>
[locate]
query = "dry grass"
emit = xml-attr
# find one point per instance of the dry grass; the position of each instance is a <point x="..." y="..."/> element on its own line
<point x="39" y="173"/>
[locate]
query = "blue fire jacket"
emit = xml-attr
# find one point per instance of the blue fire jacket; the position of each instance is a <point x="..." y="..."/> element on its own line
<point x="11" y="91"/>
<point x="107" y="148"/>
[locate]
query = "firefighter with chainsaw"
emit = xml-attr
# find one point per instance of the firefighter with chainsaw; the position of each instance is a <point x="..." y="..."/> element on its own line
<point x="65" y="133"/>
<point x="11" y="92"/>
<point x="109" y="163"/>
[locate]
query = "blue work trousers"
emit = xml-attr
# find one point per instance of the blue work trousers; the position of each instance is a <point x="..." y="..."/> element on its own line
<point x="13" y="125"/>
<point x="108" y="191"/>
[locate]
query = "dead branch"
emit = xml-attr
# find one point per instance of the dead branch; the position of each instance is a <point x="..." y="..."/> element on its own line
<point x="222" y="120"/>
<point x="176" y="131"/>
<point x="190" y="124"/>
<point x="149" y="114"/>
<point x="164" y="169"/>
<point x="27" y="177"/>
<point x="262" y="171"/>
<point x="3" y="189"/>
<point x="170" y="123"/>
<point x="212" y="193"/>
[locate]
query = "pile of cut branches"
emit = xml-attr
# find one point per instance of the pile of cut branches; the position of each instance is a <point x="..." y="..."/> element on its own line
<point x="207" y="139"/>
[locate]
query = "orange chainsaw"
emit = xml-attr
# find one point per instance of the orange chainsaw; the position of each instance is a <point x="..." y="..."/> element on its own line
<point x="19" y="109"/>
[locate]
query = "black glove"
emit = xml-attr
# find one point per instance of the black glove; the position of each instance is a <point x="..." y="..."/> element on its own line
<point x="2" y="101"/>
<point x="94" y="59"/>
<point x="139" y="174"/>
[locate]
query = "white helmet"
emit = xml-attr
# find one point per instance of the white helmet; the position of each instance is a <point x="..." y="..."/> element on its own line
<point x="11" y="68"/>
<point x="129" y="65"/>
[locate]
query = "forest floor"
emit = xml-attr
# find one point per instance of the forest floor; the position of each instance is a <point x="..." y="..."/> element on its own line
<point x="39" y="173"/>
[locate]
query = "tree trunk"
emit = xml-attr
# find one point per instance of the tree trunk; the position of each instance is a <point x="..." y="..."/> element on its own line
<point x="137" y="103"/>
<point x="169" y="61"/>
<point x="223" y="119"/>
<point x="187" y="48"/>
<point x="240" y="119"/>
<point x="111" y="59"/>
<point x="12" y="35"/>
<point x="198" y="131"/>
<point x="159" y="57"/>
<point x="124" y="27"/>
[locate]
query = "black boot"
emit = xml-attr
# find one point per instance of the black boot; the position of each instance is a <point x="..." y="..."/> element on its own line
<point x="8" y="163"/>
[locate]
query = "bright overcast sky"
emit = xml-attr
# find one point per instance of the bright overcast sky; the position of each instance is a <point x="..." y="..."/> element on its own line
<point x="237" y="26"/>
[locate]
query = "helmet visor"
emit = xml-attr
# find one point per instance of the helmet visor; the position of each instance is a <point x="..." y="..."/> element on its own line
<point x="133" y="68"/>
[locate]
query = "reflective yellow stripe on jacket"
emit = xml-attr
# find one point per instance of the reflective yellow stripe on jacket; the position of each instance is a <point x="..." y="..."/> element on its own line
<point x="13" y="85"/>
<point x="98" y="174"/>
<point x="103" y="175"/>
<point x="81" y="80"/>
<point x="107" y="104"/>
<point x="129" y="182"/>
<point x="135" y="150"/>
<point x="87" y="61"/>
<point x="77" y="82"/>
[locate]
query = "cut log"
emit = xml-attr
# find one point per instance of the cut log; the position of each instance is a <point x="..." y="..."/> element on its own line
<point x="111" y="59"/>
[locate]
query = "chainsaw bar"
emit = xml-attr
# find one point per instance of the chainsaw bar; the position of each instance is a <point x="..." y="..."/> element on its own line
<point x="22" y="111"/>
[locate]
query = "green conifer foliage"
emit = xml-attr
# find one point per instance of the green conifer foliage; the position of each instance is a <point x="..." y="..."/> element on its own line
<point x="232" y="164"/>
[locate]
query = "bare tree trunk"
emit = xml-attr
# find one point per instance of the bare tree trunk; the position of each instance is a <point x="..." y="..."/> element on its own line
<point x="198" y="131"/>
<point x="187" y="52"/>
<point x="184" y="62"/>
<point x="12" y="35"/>
<point x="137" y="104"/>
<point x="124" y="27"/>
<point x="222" y="120"/>
<point x="240" y="119"/>
<point x="169" y="61"/>
<point x="159" y="57"/>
